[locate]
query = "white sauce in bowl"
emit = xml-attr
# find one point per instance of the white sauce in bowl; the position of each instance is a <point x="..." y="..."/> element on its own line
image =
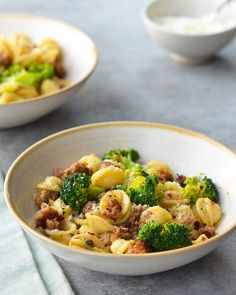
<point x="225" y="20"/>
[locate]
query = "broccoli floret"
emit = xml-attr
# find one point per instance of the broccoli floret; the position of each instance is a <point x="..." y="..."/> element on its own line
<point x="94" y="191"/>
<point x="74" y="190"/>
<point x="159" y="190"/>
<point x="9" y="72"/>
<point x="132" y="173"/>
<point x="35" y="74"/>
<point x="127" y="157"/>
<point x="165" y="237"/>
<point x="142" y="190"/>
<point x="32" y="75"/>
<point x="198" y="187"/>
<point x="122" y="187"/>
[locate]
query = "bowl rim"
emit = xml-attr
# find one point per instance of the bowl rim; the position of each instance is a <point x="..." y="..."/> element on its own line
<point x="70" y="27"/>
<point x="44" y="141"/>
<point x="146" y="18"/>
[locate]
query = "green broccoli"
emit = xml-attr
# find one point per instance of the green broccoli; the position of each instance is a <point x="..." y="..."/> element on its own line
<point x="122" y="187"/>
<point x="75" y="190"/>
<point x="142" y="190"/>
<point x="9" y="72"/>
<point x="35" y="74"/>
<point x="94" y="191"/>
<point x="32" y="75"/>
<point x="127" y="157"/>
<point x="200" y="187"/>
<point x="165" y="237"/>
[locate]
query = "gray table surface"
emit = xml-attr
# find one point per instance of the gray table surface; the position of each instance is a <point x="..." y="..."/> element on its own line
<point x="135" y="80"/>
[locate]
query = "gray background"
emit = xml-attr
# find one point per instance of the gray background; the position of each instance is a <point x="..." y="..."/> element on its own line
<point x="135" y="80"/>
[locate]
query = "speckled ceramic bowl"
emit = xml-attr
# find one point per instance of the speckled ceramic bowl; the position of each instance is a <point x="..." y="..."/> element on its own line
<point x="79" y="59"/>
<point x="185" y="151"/>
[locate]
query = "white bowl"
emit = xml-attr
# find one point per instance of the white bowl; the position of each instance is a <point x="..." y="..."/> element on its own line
<point x="79" y="60"/>
<point x="185" y="47"/>
<point x="185" y="151"/>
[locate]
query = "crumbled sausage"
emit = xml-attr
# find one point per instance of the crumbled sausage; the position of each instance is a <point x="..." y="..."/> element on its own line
<point x="52" y="223"/>
<point x="44" y="196"/>
<point x="112" y="210"/>
<point x="208" y="230"/>
<point x="140" y="247"/>
<point x="181" y="179"/>
<point x="106" y="238"/>
<point x="90" y="206"/>
<point x="47" y="217"/>
<point x="105" y="164"/>
<point x="133" y="223"/>
<point x="60" y="71"/>
<point x="121" y="233"/>
<point x="4" y="59"/>
<point x="75" y="167"/>
<point x="164" y="176"/>
<point x="58" y="172"/>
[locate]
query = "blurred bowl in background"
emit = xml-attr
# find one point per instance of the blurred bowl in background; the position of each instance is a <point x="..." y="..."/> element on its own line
<point x="185" y="47"/>
<point x="79" y="59"/>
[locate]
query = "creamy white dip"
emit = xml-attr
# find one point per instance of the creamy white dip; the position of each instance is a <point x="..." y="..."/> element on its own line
<point x="226" y="19"/>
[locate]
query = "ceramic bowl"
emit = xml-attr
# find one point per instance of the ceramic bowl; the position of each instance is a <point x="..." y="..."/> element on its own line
<point x="185" y="151"/>
<point x="79" y="59"/>
<point x="185" y="47"/>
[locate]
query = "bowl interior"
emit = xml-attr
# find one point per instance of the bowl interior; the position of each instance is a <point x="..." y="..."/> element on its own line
<point x="185" y="152"/>
<point x="79" y="52"/>
<point x="193" y="8"/>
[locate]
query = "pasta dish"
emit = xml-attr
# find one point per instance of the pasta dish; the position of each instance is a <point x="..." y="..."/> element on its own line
<point x="28" y="70"/>
<point x="116" y="205"/>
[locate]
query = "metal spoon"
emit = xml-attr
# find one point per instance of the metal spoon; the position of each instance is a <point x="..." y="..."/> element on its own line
<point x="213" y="15"/>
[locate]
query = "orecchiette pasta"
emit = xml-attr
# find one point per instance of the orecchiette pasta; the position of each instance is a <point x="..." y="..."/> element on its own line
<point x="98" y="223"/>
<point x="123" y="200"/>
<point x="49" y="86"/>
<point x="172" y="195"/>
<point x="120" y="246"/>
<point x="29" y="70"/>
<point x="208" y="211"/>
<point x="162" y="170"/>
<point x="92" y="162"/>
<point x="62" y="208"/>
<point x="114" y="206"/>
<point x="200" y="239"/>
<point x="156" y="214"/>
<point x="87" y="241"/>
<point x="64" y="234"/>
<point x="108" y="177"/>
<point x="51" y="183"/>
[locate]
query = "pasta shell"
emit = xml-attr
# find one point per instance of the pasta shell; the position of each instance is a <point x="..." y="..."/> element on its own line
<point x="161" y="169"/>
<point x="208" y="211"/>
<point x="120" y="246"/>
<point x="122" y="198"/>
<point x="92" y="161"/>
<point x="156" y="214"/>
<point x="108" y="177"/>
<point x="97" y="223"/>
<point x="63" y="236"/>
<point x="48" y="86"/>
<point x="51" y="183"/>
<point x="200" y="239"/>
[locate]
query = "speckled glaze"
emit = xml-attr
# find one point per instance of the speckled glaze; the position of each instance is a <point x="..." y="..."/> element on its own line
<point x="183" y="47"/>
<point x="79" y="60"/>
<point x="185" y="151"/>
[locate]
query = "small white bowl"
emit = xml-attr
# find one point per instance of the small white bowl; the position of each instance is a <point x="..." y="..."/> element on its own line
<point x="187" y="152"/>
<point x="185" y="47"/>
<point x="79" y="59"/>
